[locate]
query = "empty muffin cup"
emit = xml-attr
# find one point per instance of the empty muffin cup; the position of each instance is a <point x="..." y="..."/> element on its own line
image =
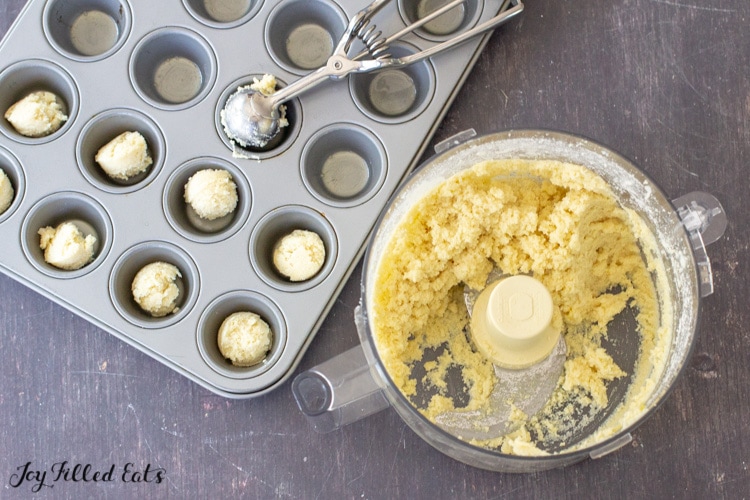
<point x="301" y="34"/>
<point x="223" y="13"/>
<point x="443" y="27"/>
<point x="87" y="30"/>
<point x="186" y="221"/>
<point x="173" y="68"/>
<point x="394" y="95"/>
<point x="343" y="165"/>
<point x="13" y="172"/>
<point x="33" y="75"/>
<point x="284" y="139"/>
<point x="220" y="309"/>
<point x="136" y="258"/>
<point x="88" y="216"/>
<point x="282" y="222"/>
<point x="105" y="127"/>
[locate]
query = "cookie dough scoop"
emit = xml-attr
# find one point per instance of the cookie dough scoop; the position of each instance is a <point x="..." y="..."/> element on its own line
<point x="512" y="324"/>
<point x="252" y="118"/>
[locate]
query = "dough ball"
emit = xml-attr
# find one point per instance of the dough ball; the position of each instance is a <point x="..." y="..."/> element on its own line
<point x="212" y="193"/>
<point x="155" y="288"/>
<point x="6" y="192"/>
<point x="65" y="247"/>
<point x="299" y="255"/>
<point x="124" y="156"/>
<point x="244" y="338"/>
<point x="38" y="114"/>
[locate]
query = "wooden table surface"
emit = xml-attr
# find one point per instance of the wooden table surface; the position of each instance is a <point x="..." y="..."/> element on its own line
<point x="664" y="82"/>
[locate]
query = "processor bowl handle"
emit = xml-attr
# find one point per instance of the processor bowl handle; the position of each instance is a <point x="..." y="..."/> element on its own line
<point x="339" y="391"/>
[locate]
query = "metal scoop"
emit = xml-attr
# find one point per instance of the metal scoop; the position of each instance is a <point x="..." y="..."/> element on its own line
<point x="251" y="118"/>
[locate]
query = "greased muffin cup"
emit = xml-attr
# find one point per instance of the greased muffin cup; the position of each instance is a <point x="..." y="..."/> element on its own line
<point x="87" y="30"/>
<point x="33" y="75"/>
<point x="240" y="301"/>
<point x="104" y="127"/>
<point x="223" y="14"/>
<point x="184" y="219"/>
<point x="173" y="68"/>
<point x="453" y="22"/>
<point x="11" y="167"/>
<point x="300" y="35"/>
<point x="165" y="70"/>
<point x="88" y="215"/>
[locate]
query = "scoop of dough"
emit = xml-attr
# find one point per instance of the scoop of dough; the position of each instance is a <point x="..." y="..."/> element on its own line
<point x="155" y="288"/>
<point x="124" y="156"/>
<point x="38" y="114"/>
<point x="212" y="193"/>
<point x="6" y="192"/>
<point x="267" y="86"/>
<point x="244" y="338"/>
<point x="65" y="246"/>
<point x="299" y="255"/>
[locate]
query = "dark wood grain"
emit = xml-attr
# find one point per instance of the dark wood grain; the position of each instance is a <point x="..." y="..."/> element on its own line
<point x="665" y="82"/>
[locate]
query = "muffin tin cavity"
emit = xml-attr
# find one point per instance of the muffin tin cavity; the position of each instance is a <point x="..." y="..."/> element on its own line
<point x="87" y="214"/>
<point x="394" y="95"/>
<point x="301" y="34"/>
<point x="237" y="301"/>
<point x="25" y="77"/>
<point x="223" y="13"/>
<point x="343" y="165"/>
<point x="443" y="27"/>
<point x="104" y="127"/>
<point x="132" y="261"/>
<point x="87" y="30"/>
<point x="277" y="224"/>
<point x="184" y="219"/>
<point x="10" y="165"/>
<point x="283" y="140"/>
<point x="173" y="68"/>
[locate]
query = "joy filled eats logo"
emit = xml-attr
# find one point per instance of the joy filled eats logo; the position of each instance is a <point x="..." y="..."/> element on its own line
<point x="28" y="475"/>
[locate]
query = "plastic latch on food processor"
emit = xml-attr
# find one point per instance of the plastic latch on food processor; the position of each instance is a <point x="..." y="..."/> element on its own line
<point x="610" y="447"/>
<point x="455" y="140"/>
<point x="705" y="221"/>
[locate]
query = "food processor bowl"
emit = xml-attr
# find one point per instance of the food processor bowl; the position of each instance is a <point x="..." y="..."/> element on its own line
<point x="356" y="383"/>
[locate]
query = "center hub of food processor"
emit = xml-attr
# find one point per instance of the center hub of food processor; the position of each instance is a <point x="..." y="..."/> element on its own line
<point x="512" y="322"/>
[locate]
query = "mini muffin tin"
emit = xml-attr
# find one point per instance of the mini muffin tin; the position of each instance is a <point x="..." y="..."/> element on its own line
<point x="166" y="69"/>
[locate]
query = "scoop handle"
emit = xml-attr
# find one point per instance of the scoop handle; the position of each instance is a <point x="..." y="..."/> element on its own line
<point x="339" y="391"/>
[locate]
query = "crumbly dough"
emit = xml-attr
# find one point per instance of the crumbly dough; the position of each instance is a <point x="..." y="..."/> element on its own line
<point x="124" y="156"/>
<point x="299" y="255"/>
<point x="561" y="224"/>
<point x="267" y="86"/>
<point x="212" y="193"/>
<point x="155" y="288"/>
<point x="6" y="192"/>
<point x="244" y="338"/>
<point x="65" y="247"/>
<point x="39" y="114"/>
